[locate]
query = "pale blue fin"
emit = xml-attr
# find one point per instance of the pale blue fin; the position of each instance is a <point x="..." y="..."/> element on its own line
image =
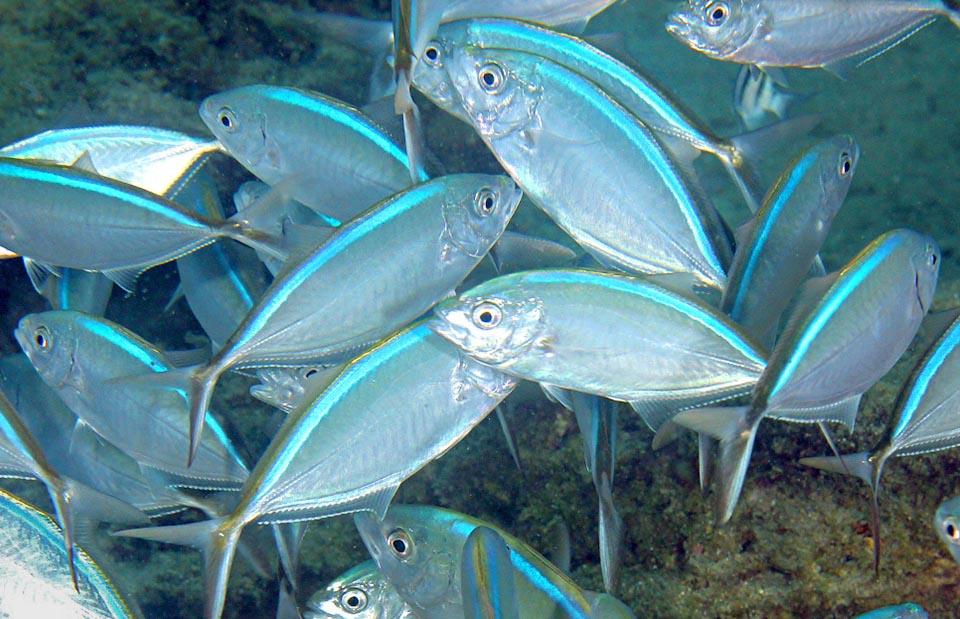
<point x="611" y="537"/>
<point x="509" y="436"/>
<point x="38" y="272"/>
<point x="487" y="577"/>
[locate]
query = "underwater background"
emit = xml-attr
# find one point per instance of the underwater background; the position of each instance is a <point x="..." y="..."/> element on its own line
<point x="799" y="543"/>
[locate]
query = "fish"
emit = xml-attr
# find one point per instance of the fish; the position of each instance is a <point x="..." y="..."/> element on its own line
<point x="923" y="419"/>
<point x="310" y="147"/>
<point x="601" y="176"/>
<point x="776" y="248"/>
<point x="620" y="337"/>
<point x="36" y="572"/>
<point x="836" y="35"/>
<point x="946" y="523"/>
<point x="757" y="95"/>
<point x="413" y="391"/>
<point x="362" y="592"/>
<point x="486" y="577"/>
<point x="61" y="216"/>
<point x="837" y="345"/>
<point x="412" y="249"/>
<point x="900" y="611"/>
<point x="420" y="548"/>
<point x="84" y="359"/>
<point x="683" y="132"/>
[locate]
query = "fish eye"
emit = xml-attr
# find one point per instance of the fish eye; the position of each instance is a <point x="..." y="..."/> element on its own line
<point x="353" y="600"/>
<point x="951" y="529"/>
<point x="400" y="543"/>
<point x="486" y="201"/>
<point x="227" y="119"/>
<point x="41" y="337"/>
<point x="487" y="315"/>
<point x="932" y="260"/>
<point x="432" y="55"/>
<point x="491" y="78"/>
<point x="845" y="165"/>
<point x="716" y="13"/>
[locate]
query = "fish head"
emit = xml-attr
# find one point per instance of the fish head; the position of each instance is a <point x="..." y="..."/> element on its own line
<point x="500" y="90"/>
<point x="49" y="341"/>
<point x="430" y="77"/>
<point x="476" y="213"/>
<point x="926" y="262"/>
<point x="495" y="327"/>
<point x="838" y="157"/>
<point x="363" y="592"/>
<point x="718" y="28"/>
<point x="947" y="524"/>
<point x="416" y="552"/>
<point x="237" y="119"/>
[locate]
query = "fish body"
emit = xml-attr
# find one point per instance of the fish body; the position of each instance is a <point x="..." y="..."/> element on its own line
<point x="65" y="217"/>
<point x="154" y="159"/>
<point x="84" y="359"/>
<point x="599" y="174"/>
<point x="409" y="251"/>
<point x="420" y="550"/>
<point x="638" y="93"/>
<point x="486" y="577"/>
<point x="900" y="611"/>
<point x="831" y="352"/>
<point x="319" y="465"/>
<point x="757" y="96"/>
<point x="778" y="246"/>
<point x="311" y="147"/>
<point x="35" y="578"/>
<point x="612" y="335"/>
<point x="834" y="34"/>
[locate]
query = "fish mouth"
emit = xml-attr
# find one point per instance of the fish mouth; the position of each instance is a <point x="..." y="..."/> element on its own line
<point x="446" y="325"/>
<point x="679" y="26"/>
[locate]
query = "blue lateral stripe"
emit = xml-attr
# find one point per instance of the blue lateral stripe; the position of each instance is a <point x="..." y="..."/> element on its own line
<point x="946" y="347"/>
<point x="847" y="283"/>
<point x="768" y="224"/>
<point x="63" y="178"/>
<point x="343" y="115"/>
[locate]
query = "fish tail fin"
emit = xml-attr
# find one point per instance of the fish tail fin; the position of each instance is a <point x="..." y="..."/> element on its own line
<point x="201" y="381"/>
<point x="744" y="150"/>
<point x="217" y="541"/>
<point x="736" y="428"/>
<point x="611" y="537"/>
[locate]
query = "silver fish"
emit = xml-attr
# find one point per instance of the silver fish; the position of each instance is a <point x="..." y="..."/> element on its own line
<point x="831" y="352"/>
<point x="36" y="580"/>
<point x="412" y="249"/>
<point x="64" y="217"/>
<point x="620" y="337"/>
<point x="599" y="174"/>
<point x="310" y="147"/>
<point x="947" y="524"/>
<point x="319" y="465"/>
<point x="757" y="96"/>
<point x="838" y="35"/>
<point x="776" y="248"/>
<point x="362" y="592"/>
<point x="85" y="358"/>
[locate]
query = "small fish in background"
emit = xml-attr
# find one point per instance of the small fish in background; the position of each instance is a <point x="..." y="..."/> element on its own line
<point x="947" y="523"/>
<point x="900" y="611"/>
<point x="362" y="592"/>
<point x="757" y="96"/>
<point x="837" y="35"/>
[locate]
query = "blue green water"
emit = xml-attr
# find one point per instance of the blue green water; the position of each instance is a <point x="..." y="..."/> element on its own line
<point x="798" y="544"/>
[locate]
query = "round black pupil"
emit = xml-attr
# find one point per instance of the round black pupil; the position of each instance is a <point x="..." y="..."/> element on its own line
<point x="489" y="78"/>
<point x="41" y="341"/>
<point x="486" y="317"/>
<point x="400" y="546"/>
<point x="225" y="120"/>
<point x="353" y="601"/>
<point x="432" y="53"/>
<point x="488" y="203"/>
<point x="717" y="14"/>
<point x="951" y="530"/>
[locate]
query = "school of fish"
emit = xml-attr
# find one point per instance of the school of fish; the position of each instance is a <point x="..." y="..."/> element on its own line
<point x="387" y="307"/>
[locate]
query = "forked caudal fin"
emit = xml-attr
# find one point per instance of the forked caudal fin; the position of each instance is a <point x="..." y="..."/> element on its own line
<point x="216" y="539"/>
<point x="736" y="428"/>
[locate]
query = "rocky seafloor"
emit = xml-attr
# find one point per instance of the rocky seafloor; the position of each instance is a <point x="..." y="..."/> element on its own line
<point x="798" y="544"/>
